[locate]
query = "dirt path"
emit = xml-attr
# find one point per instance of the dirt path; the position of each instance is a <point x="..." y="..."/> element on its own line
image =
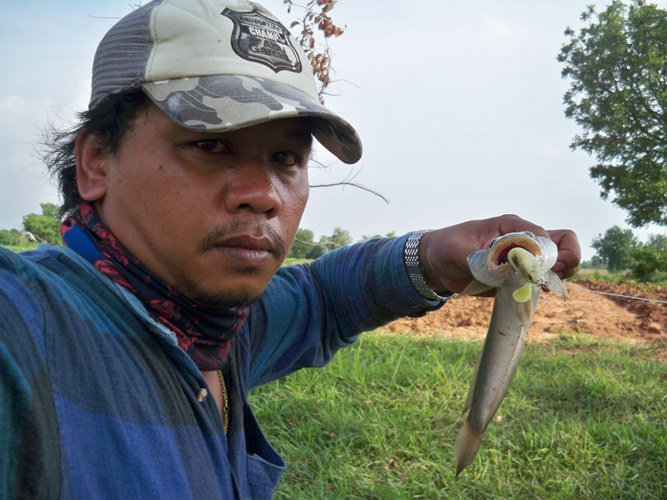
<point x="592" y="313"/>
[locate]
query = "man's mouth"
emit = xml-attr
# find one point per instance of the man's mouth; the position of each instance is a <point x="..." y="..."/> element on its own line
<point x="250" y="248"/>
<point x="248" y="242"/>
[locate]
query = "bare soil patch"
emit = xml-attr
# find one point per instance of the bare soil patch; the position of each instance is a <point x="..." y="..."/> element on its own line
<point x="604" y="316"/>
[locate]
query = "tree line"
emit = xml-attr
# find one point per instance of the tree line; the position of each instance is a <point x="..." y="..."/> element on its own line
<point x="35" y="228"/>
<point x="616" y="250"/>
<point x="620" y="250"/>
<point x="305" y="246"/>
<point x="45" y="228"/>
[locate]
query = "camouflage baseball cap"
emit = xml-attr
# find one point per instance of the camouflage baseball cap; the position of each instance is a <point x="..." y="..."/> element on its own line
<point x="216" y="65"/>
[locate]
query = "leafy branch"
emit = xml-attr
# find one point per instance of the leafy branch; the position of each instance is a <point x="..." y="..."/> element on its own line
<point x="317" y="28"/>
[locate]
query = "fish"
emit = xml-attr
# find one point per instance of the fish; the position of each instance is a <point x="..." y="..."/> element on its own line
<point x="518" y="265"/>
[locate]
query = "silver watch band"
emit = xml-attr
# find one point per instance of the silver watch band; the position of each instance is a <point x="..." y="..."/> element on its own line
<point x="415" y="269"/>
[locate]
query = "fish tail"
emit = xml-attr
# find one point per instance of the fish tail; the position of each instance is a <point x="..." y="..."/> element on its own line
<point x="467" y="445"/>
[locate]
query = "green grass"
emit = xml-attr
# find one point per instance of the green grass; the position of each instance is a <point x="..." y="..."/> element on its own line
<point x="599" y="275"/>
<point x="20" y="248"/>
<point x="583" y="419"/>
<point x="291" y="261"/>
<point x="659" y="280"/>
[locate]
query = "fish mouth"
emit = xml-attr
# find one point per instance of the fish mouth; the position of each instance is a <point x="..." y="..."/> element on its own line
<point x="501" y="247"/>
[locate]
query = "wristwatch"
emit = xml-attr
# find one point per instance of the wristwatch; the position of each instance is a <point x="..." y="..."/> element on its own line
<point x="415" y="269"/>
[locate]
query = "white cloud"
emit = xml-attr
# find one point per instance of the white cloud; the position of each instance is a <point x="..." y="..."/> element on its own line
<point x="11" y="103"/>
<point x="20" y="117"/>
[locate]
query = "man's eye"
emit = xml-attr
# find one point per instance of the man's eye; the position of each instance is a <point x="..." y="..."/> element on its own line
<point x="213" y="146"/>
<point x="287" y="159"/>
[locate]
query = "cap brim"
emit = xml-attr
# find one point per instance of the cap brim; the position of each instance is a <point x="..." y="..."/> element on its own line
<point x="224" y="103"/>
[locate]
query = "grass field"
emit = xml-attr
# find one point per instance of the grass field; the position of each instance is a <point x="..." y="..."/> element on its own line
<point x="20" y="248"/>
<point x="584" y="419"/>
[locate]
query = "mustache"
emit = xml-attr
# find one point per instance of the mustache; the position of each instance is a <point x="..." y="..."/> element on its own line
<point x="256" y="230"/>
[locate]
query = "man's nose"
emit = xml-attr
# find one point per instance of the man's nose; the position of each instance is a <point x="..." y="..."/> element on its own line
<point x="252" y="186"/>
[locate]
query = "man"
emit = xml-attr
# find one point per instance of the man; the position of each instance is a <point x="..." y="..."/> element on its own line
<point x="126" y="357"/>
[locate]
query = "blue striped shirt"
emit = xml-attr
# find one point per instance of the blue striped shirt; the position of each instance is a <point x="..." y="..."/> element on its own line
<point x="97" y="400"/>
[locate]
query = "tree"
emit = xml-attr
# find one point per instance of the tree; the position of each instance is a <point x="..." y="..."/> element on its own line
<point x="12" y="237"/>
<point x="316" y="29"/>
<point x="302" y="245"/>
<point x="318" y="249"/>
<point x="659" y="242"/>
<point x="617" y="67"/>
<point x="339" y="238"/>
<point x="313" y="30"/>
<point x="45" y="227"/>
<point x="615" y="247"/>
<point x="367" y="237"/>
<point x="649" y="260"/>
<point x="305" y="247"/>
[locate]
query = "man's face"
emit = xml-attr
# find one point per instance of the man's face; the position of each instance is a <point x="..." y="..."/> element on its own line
<point x="211" y="214"/>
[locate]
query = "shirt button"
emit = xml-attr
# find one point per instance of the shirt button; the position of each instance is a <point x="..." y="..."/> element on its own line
<point x="202" y="394"/>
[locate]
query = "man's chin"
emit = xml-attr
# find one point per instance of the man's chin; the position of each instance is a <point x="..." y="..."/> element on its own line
<point x="224" y="300"/>
<point x="226" y="289"/>
<point x="221" y="299"/>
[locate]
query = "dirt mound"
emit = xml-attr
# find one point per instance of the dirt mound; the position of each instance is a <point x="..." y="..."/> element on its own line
<point x="595" y="307"/>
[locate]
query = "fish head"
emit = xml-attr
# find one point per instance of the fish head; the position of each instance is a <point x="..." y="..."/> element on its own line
<point x="492" y="267"/>
<point x="500" y="248"/>
<point x="518" y="257"/>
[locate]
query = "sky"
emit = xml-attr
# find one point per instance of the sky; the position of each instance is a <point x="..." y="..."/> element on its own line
<point x="459" y="106"/>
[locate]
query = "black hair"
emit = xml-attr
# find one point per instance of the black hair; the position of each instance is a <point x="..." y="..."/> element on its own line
<point x="108" y="121"/>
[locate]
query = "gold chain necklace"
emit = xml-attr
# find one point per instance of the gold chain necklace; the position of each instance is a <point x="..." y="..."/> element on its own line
<point x="225" y="400"/>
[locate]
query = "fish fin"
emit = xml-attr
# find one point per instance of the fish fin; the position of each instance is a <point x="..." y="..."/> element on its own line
<point x="555" y="285"/>
<point x="475" y="287"/>
<point x="525" y="311"/>
<point x="467" y="446"/>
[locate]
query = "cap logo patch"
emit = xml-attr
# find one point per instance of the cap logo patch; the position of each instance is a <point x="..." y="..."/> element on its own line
<point x="259" y="39"/>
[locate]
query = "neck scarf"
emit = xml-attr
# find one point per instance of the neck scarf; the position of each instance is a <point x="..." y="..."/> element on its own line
<point x="204" y="333"/>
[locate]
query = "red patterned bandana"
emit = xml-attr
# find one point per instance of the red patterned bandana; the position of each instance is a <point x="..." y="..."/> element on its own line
<point x="203" y="332"/>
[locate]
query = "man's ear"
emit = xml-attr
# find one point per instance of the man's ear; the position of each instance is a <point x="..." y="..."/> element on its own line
<point x="91" y="166"/>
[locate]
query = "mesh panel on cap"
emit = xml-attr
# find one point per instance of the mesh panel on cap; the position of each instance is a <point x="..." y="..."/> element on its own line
<point x="120" y="60"/>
